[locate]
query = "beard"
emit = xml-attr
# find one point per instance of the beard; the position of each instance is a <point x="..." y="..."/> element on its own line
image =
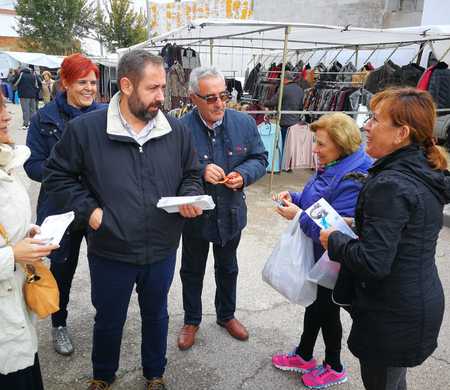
<point x="140" y="110"/>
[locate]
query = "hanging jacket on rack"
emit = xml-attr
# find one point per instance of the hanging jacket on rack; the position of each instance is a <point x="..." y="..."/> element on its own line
<point x="439" y="86"/>
<point x="250" y="83"/>
<point x="381" y="77"/>
<point x="408" y="75"/>
<point x="190" y="59"/>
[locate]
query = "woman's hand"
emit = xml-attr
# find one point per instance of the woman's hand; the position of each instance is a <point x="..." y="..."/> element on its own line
<point x="349" y="221"/>
<point x="324" y="236"/>
<point x="30" y="250"/>
<point x="35" y="229"/>
<point x="289" y="210"/>
<point x="282" y="196"/>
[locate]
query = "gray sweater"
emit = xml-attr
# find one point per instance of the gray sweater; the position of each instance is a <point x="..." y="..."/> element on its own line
<point x="292" y="101"/>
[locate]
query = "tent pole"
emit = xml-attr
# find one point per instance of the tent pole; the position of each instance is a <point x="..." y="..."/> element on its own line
<point x="445" y="53"/>
<point x="323" y="56"/>
<point x="356" y="57"/>
<point x="336" y="56"/>
<point x="211" y="46"/>
<point x="280" y="101"/>
<point x="393" y="51"/>
<point x="371" y="54"/>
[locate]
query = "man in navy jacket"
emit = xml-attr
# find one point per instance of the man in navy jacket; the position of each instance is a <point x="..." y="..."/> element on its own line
<point x="112" y="166"/>
<point x="232" y="156"/>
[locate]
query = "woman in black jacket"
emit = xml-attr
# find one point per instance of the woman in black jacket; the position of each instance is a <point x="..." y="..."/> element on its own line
<point x="398" y="302"/>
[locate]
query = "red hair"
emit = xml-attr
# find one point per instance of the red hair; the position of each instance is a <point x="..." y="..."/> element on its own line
<point x="75" y="67"/>
<point x="415" y="109"/>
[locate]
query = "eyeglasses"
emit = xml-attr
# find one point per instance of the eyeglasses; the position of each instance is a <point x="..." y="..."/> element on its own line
<point x="211" y="99"/>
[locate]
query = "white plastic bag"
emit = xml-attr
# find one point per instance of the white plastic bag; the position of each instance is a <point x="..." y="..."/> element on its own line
<point x="288" y="267"/>
<point x="325" y="272"/>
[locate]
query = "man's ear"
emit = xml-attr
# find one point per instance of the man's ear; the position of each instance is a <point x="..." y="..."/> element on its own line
<point x="126" y="86"/>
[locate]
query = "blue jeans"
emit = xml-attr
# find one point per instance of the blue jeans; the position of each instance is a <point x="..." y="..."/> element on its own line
<point x="193" y="264"/>
<point x="112" y="283"/>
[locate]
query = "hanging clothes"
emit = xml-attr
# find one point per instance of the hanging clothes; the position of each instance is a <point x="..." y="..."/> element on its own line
<point x="381" y="77"/>
<point x="190" y="59"/>
<point x="439" y="86"/>
<point x="298" y="148"/>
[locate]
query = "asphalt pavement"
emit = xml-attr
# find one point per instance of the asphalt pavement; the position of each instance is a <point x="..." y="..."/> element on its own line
<point x="218" y="361"/>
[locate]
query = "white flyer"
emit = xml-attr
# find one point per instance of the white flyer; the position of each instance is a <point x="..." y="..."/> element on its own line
<point x="54" y="227"/>
<point x="171" y="203"/>
<point x="326" y="217"/>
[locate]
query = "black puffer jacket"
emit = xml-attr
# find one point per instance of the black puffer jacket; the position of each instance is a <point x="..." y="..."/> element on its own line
<point x="399" y="302"/>
<point x="439" y="86"/>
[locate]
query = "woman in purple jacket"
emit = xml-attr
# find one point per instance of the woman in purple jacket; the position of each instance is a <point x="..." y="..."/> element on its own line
<point x="342" y="166"/>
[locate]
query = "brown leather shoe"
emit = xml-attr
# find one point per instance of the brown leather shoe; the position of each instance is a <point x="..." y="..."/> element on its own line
<point x="235" y="329"/>
<point x="186" y="338"/>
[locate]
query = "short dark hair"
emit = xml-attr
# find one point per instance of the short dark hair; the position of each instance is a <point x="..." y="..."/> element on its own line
<point x="132" y="64"/>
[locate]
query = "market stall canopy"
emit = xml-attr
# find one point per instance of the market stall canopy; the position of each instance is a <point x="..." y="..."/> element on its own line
<point x="15" y="58"/>
<point x="235" y="45"/>
<point x="262" y="35"/>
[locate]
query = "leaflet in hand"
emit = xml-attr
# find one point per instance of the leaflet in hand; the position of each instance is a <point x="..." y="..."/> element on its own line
<point x="326" y="217"/>
<point x="54" y="227"/>
<point x="171" y="203"/>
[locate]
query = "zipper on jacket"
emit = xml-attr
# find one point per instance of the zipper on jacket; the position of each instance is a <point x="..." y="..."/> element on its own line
<point x="140" y="149"/>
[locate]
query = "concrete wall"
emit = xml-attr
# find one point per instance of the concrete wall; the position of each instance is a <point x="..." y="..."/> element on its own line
<point x="362" y="13"/>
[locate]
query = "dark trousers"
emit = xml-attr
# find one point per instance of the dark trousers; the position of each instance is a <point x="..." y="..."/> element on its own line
<point x="63" y="273"/>
<point x="322" y="314"/>
<point x="27" y="379"/>
<point x="112" y="283"/>
<point x="193" y="264"/>
<point x="377" y="377"/>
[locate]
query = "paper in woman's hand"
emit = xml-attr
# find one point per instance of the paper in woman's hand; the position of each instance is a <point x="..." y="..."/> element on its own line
<point x="54" y="227"/>
<point x="325" y="216"/>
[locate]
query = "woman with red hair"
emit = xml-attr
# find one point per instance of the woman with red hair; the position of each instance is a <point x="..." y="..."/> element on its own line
<point x="78" y="89"/>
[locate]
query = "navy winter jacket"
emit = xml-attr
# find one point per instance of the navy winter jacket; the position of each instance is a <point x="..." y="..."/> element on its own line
<point x="97" y="164"/>
<point x="46" y="128"/>
<point x="338" y="189"/>
<point x="398" y="305"/>
<point x="236" y="146"/>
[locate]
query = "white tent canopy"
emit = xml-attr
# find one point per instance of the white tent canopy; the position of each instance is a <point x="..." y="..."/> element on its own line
<point x="233" y="44"/>
<point x="14" y="59"/>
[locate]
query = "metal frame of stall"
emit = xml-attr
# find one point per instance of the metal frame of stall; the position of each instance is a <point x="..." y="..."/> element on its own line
<point x="310" y="47"/>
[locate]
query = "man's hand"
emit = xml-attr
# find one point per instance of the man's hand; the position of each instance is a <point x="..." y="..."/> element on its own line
<point x="324" y="236"/>
<point x="213" y="174"/>
<point x="30" y="250"/>
<point x="189" y="211"/>
<point x="235" y="181"/>
<point x="95" y="220"/>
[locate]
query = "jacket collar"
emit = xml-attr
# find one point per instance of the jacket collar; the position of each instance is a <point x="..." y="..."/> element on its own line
<point x="347" y="163"/>
<point x="20" y="154"/>
<point x="115" y="128"/>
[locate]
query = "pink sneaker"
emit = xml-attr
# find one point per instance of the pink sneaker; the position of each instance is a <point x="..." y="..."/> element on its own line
<point x="293" y="362"/>
<point x="324" y="376"/>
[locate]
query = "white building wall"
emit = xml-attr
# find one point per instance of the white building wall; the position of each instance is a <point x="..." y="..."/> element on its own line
<point x="361" y="13"/>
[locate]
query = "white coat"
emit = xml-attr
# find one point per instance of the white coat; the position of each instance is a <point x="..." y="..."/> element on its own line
<point x="18" y="339"/>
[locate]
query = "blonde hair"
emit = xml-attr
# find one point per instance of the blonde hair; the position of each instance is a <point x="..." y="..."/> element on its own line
<point x="342" y="130"/>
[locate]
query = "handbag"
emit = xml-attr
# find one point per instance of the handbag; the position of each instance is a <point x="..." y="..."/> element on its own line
<point x="288" y="267"/>
<point x="40" y="289"/>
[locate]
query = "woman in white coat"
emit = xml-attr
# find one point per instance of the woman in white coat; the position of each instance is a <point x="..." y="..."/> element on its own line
<point x="19" y="364"/>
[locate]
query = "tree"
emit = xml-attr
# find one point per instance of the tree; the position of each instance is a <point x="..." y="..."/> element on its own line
<point x="121" y="26"/>
<point x="54" y="26"/>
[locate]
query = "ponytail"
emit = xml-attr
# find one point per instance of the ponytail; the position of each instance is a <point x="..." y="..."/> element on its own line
<point x="436" y="155"/>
